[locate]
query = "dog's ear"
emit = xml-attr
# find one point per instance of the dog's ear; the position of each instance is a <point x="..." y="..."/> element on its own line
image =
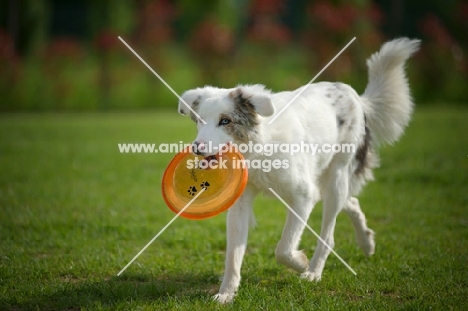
<point x="263" y="104"/>
<point x="190" y="99"/>
<point x="257" y="96"/>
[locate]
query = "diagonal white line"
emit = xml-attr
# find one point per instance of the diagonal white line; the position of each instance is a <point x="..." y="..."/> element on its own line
<point x="160" y="232"/>
<point x="162" y="80"/>
<point x="308" y="227"/>
<point x="311" y="81"/>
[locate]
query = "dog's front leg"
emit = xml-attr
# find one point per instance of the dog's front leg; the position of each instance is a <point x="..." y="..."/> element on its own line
<point x="237" y="231"/>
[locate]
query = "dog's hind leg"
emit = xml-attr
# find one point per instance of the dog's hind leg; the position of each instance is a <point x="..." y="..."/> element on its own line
<point x="364" y="235"/>
<point x="335" y="194"/>
<point x="286" y="252"/>
<point x="237" y="231"/>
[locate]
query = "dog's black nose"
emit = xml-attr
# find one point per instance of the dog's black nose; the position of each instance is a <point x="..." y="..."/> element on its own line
<point x="198" y="148"/>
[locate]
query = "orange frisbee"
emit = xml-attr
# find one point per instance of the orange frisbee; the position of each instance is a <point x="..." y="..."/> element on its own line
<point x="223" y="177"/>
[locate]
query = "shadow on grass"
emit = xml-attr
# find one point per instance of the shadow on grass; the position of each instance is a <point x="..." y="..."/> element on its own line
<point x="124" y="290"/>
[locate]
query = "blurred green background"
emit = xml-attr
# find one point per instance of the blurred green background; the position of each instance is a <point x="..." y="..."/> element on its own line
<point x="64" y="55"/>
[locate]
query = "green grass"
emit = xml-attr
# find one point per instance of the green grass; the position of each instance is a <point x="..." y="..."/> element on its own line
<point x="74" y="211"/>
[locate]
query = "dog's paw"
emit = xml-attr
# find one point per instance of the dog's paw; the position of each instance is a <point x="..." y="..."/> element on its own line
<point x="224" y="298"/>
<point x="300" y="262"/>
<point x="367" y="243"/>
<point x="296" y="260"/>
<point x="311" y="276"/>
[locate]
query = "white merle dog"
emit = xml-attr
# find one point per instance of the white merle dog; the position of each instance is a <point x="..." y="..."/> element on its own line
<point x="324" y="113"/>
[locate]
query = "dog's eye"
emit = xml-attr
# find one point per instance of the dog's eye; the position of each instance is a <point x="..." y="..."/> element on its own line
<point x="224" y="121"/>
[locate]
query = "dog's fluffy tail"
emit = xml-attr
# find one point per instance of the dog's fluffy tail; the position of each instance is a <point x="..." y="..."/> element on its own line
<point x="387" y="100"/>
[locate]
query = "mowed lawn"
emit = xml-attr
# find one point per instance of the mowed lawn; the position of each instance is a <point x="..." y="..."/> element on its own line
<point x="74" y="212"/>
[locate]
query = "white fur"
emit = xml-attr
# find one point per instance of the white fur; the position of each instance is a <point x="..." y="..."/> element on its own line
<point x="387" y="100"/>
<point x="385" y="108"/>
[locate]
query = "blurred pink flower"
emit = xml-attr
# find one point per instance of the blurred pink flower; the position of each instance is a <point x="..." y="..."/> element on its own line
<point x="334" y="18"/>
<point x="267" y="30"/>
<point x="212" y="38"/>
<point x="266" y="26"/>
<point x="154" y="22"/>
<point x="64" y="47"/>
<point x="432" y="27"/>
<point x="106" y="40"/>
<point x="266" y="7"/>
<point x="375" y="14"/>
<point x="7" y="47"/>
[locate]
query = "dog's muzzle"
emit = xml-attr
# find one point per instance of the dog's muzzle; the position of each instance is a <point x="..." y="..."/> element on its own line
<point x="199" y="148"/>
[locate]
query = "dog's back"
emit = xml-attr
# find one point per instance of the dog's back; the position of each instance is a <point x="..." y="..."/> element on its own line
<point x="333" y="112"/>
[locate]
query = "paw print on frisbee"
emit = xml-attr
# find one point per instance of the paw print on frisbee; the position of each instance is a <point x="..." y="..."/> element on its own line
<point x="192" y="190"/>
<point x="223" y="184"/>
<point x="205" y="185"/>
